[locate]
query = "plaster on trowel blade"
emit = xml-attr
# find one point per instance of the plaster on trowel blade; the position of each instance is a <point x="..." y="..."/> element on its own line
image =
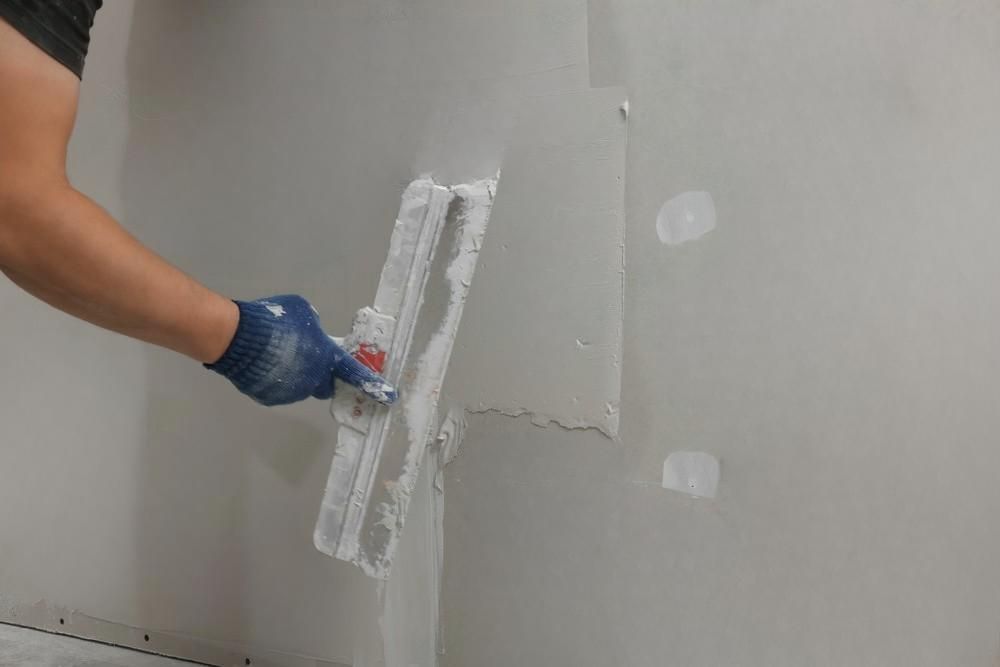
<point x="407" y="335"/>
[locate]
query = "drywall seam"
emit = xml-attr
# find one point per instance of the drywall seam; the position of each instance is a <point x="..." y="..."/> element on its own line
<point x="20" y="645"/>
<point x="625" y="110"/>
<point x="436" y="465"/>
<point x="447" y="445"/>
<point x="409" y="621"/>
<point x="41" y="615"/>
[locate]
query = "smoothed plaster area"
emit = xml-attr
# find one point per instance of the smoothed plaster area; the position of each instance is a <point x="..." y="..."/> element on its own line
<point x="542" y="330"/>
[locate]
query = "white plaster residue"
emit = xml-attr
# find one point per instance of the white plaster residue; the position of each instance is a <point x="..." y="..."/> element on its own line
<point x="686" y="217"/>
<point x="276" y="309"/>
<point x="378" y="390"/>
<point x="421" y="400"/>
<point x="451" y="433"/>
<point x="343" y="526"/>
<point x="544" y="420"/>
<point x="693" y="473"/>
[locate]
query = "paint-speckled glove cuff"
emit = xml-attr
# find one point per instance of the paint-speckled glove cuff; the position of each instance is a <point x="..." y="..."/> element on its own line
<point x="281" y="355"/>
<point x="246" y="359"/>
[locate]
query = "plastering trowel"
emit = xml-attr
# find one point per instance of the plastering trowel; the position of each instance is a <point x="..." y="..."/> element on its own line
<point x="407" y="336"/>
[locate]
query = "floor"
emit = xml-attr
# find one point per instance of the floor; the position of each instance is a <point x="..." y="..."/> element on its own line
<point x="31" y="648"/>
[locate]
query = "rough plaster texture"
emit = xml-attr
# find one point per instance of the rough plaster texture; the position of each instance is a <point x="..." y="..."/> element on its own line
<point x="833" y="341"/>
<point x="262" y="147"/>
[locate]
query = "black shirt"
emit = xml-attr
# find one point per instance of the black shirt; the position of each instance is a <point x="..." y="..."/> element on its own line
<point x="61" y="28"/>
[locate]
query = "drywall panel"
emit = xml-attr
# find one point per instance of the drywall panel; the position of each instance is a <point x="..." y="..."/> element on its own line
<point x="542" y="330"/>
<point x="22" y="646"/>
<point x="832" y="342"/>
<point x="531" y="529"/>
<point x="262" y="147"/>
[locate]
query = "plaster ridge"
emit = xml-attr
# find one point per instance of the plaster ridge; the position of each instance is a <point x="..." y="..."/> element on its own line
<point x="544" y="421"/>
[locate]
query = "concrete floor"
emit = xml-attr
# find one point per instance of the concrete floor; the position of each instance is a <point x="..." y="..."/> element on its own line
<point x="23" y="647"/>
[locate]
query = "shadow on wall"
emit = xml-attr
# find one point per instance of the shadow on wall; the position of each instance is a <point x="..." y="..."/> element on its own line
<point x="227" y="490"/>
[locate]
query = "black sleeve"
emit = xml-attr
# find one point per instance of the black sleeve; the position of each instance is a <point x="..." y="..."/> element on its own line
<point x="61" y="28"/>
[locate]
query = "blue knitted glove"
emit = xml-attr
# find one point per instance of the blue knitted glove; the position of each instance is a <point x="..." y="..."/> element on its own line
<point x="280" y="355"/>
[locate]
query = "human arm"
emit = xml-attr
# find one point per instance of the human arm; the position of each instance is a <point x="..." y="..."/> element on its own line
<point x="66" y="250"/>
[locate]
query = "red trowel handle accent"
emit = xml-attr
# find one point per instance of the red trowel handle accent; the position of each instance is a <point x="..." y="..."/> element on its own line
<point x="371" y="356"/>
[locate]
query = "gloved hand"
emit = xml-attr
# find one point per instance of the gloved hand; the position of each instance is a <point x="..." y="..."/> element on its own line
<point x="280" y="355"/>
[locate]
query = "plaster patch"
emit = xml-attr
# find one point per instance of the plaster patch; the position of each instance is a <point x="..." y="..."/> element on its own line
<point x="693" y="473"/>
<point x="550" y="274"/>
<point x="686" y="217"/>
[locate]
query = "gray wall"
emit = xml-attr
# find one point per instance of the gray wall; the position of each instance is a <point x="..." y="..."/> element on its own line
<point x="832" y="340"/>
<point x="263" y="148"/>
<point x="148" y="492"/>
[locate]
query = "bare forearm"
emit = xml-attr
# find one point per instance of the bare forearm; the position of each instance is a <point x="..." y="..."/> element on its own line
<point x="66" y="250"/>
